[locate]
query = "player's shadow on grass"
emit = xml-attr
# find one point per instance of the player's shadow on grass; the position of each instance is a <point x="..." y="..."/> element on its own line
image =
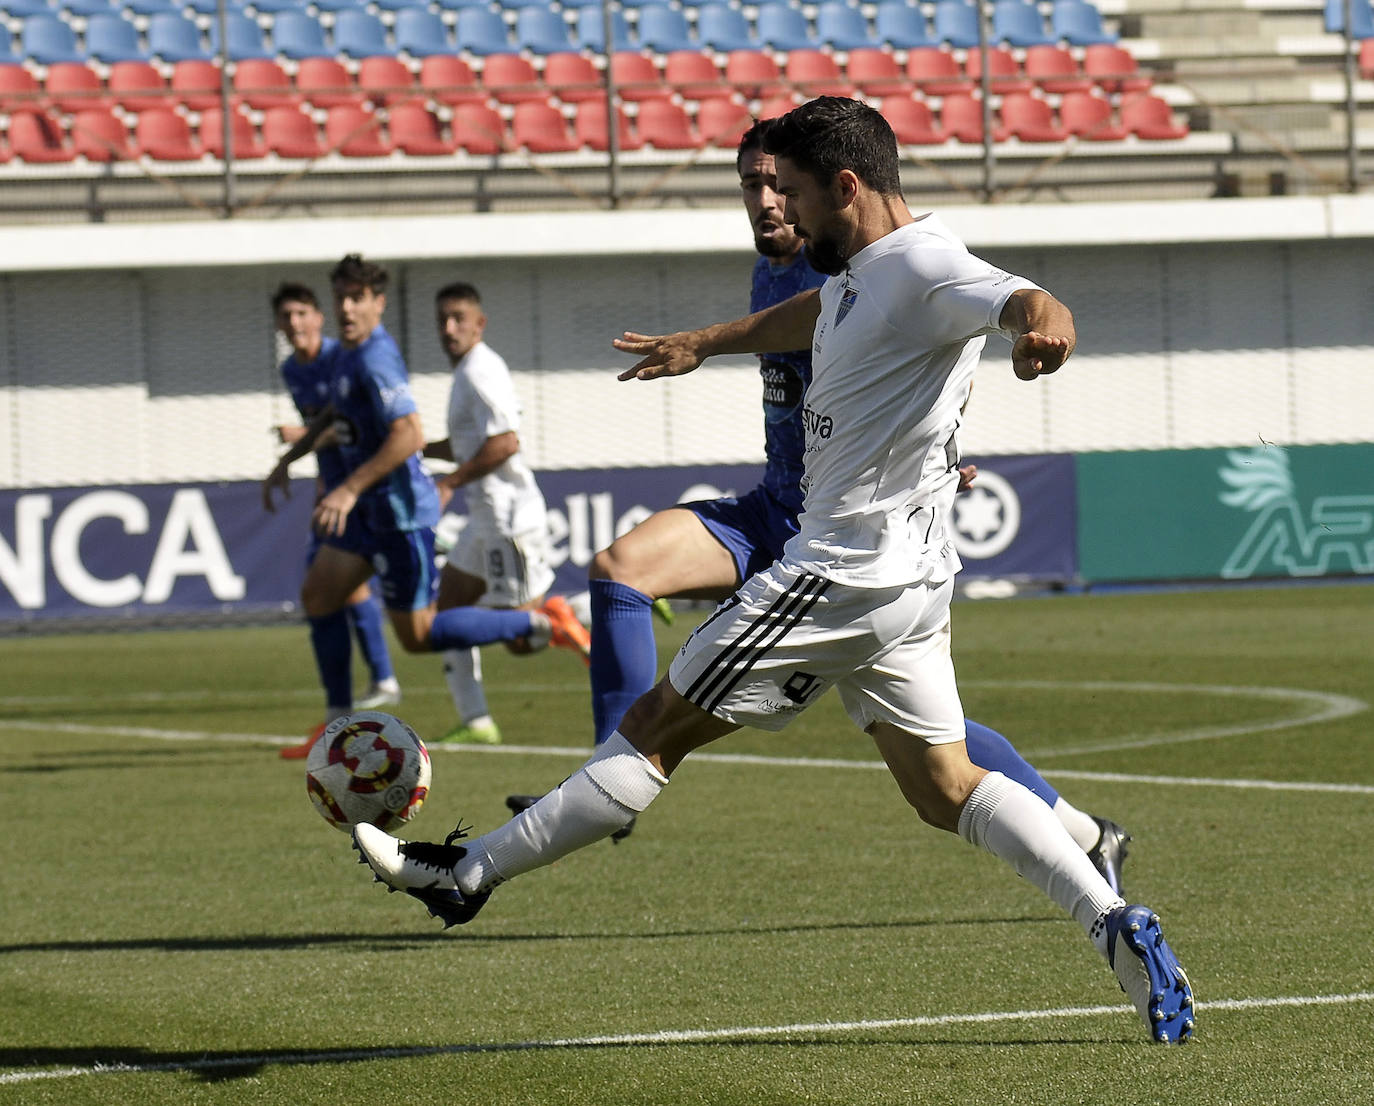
<point x="103" y="760"/>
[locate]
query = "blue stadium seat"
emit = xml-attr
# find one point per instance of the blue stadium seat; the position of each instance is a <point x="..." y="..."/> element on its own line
<point x="1080" y="24"/>
<point x="591" y="30"/>
<point x="400" y="5"/>
<point x="479" y="31"/>
<point x="151" y="7"/>
<point x="336" y="6"/>
<point x="22" y="9"/>
<point x="542" y="31"/>
<point x="724" y="29"/>
<point x="645" y="4"/>
<point x="210" y="7"/>
<point x="86" y="8"/>
<point x="8" y="54"/>
<point x="902" y="26"/>
<point x="173" y="38"/>
<point x="359" y="34"/>
<point x="664" y="30"/>
<point x="47" y="39"/>
<point x="272" y="7"/>
<point x="520" y="5"/>
<point x="111" y="38"/>
<point x="459" y="5"/>
<point x="956" y="23"/>
<point x="1019" y="23"/>
<point x="783" y="27"/>
<point x="843" y="27"/>
<point x="1361" y="18"/>
<point x="242" y="37"/>
<point x="422" y="34"/>
<point x="298" y="34"/>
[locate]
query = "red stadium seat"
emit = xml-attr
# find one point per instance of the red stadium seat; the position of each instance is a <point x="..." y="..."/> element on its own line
<point x="136" y="86"/>
<point x="665" y="125"/>
<point x="876" y="72"/>
<point x="912" y="121"/>
<point x="513" y="79"/>
<point x="573" y="77"/>
<point x="1030" y="119"/>
<point x="196" y="84"/>
<point x="1006" y="73"/>
<point x="1089" y="117"/>
<point x="1367" y="59"/>
<point x="816" y="73"/>
<point x="590" y="127"/>
<point x="1113" y="69"/>
<point x="37" y="137"/>
<point x="386" y="80"/>
<point x="721" y="123"/>
<point x="448" y="79"/>
<point x="415" y="130"/>
<point x="936" y="72"/>
<point x="73" y="86"/>
<point x="636" y="77"/>
<point x="1054" y="69"/>
<point x="781" y="104"/>
<point x="18" y="89"/>
<point x="355" y="132"/>
<point x="1146" y="115"/>
<point x="326" y="83"/>
<point x="163" y="135"/>
<point x="693" y="75"/>
<point x="478" y="129"/>
<point x="961" y="116"/>
<point x="99" y="135"/>
<point x="541" y="129"/>
<point x="262" y="84"/>
<point x="753" y="73"/>
<point x="290" y="132"/>
<point x="247" y="145"/>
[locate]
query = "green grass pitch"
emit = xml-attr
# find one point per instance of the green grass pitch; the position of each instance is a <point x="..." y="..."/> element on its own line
<point x="180" y="927"/>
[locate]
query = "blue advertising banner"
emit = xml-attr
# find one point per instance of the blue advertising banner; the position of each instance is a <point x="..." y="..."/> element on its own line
<point x="160" y="549"/>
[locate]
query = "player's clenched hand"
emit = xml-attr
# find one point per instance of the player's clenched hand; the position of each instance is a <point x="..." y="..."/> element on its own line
<point x="331" y="512"/>
<point x="660" y="354"/>
<point x="1034" y="354"/>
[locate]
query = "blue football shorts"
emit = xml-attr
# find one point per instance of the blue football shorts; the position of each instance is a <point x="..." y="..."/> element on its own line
<point x="753" y="527"/>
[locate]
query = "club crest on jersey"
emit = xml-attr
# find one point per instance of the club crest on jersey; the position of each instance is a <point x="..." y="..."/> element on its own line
<point x="846" y="303"/>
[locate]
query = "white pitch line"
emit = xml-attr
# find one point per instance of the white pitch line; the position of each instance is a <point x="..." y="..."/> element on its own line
<point x="667" y="1036"/>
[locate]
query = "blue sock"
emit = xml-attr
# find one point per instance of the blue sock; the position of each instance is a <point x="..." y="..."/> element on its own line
<point x="367" y="626"/>
<point x="333" y="646"/>
<point x="989" y="749"/>
<point x="624" y="659"/>
<point x="464" y="627"/>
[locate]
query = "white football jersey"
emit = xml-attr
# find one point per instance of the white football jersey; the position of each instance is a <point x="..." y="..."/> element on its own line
<point x="482" y="404"/>
<point x="899" y="334"/>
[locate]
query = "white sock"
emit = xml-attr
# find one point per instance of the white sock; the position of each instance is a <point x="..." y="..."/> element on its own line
<point x="463" y="674"/>
<point x="615" y="784"/>
<point x="541" y="631"/>
<point x="1008" y="821"/>
<point x="1082" y="828"/>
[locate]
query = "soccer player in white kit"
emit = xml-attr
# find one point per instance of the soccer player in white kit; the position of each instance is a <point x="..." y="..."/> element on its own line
<point x="860" y="598"/>
<point x="502" y="557"/>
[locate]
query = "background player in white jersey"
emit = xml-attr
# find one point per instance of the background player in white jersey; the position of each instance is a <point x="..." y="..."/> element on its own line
<point x="860" y="598"/>
<point x="501" y="559"/>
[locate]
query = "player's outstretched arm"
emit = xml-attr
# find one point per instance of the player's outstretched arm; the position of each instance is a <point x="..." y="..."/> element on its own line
<point x="778" y="329"/>
<point x="278" y="479"/>
<point x="1046" y="332"/>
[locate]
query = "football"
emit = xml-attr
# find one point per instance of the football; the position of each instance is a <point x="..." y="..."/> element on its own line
<point x="368" y="766"/>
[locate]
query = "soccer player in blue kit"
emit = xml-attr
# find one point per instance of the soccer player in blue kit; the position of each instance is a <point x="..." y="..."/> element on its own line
<point x="299" y="320"/>
<point x="707" y="548"/>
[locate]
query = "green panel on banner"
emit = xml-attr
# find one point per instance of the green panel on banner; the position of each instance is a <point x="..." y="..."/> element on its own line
<point x="1232" y="514"/>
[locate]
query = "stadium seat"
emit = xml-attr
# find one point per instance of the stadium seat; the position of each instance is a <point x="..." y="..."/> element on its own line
<point x="355" y="132"/>
<point x="842" y="26"/>
<point x="1030" y="119"/>
<point x="416" y="131"/>
<point x="1005" y="73"/>
<point x="48" y="40"/>
<point x="211" y="7"/>
<point x="22" y="9"/>
<point x="1019" y="23"/>
<point x="724" y="29"/>
<point x="1361" y="18"/>
<point x="542" y="31"/>
<point x="149" y="8"/>
<point x="448" y="79"/>
<point x="664" y="30"/>
<point x="782" y="27"/>
<point x="247" y="146"/>
<point x="513" y="79"/>
<point x="37" y="137"/>
<point x="521" y="5"/>
<point x="1113" y="69"/>
<point x="956" y="24"/>
<point x="326" y="83"/>
<point x="8" y="54"/>
<point x="644" y="5"/>
<point x="73" y="86"/>
<point x="816" y="73"/>
<point x="590" y="127"/>
<point x="478" y="31"/>
<point x="753" y="73"/>
<point x="876" y="73"/>
<point x="572" y="77"/>
<point x="137" y="86"/>
<point x="272" y="7"/>
<point x="773" y="106"/>
<point x="665" y="125"/>
<point x="693" y="75"/>
<point x="86" y="8"/>
<point x="163" y="135"/>
<point x="174" y="38"/>
<point x="478" y="129"/>
<point x="1089" y="117"/>
<point x="290" y="132"/>
<point x="99" y="135"/>
<point x="360" y="34"/>
<point x="937" y="72"/>
<point x="386" y="80"/>
<point x="422" y="34"/>
<point x="333" y="7"/>
<point x="111" y="38"/>
<point x="961" y="117"/>
<point x="721" y="122"/>
<point x="1079" y="24"/>
<point x="911" y="120"/>
<point x="195" y="84"/>
<point x="591" y="31"/>
<point x="636" y="77"/>
<point x="902" y="26"/>
<point x="19" y="89"/>
<point x="1054" y="69"/>
<point x="1148" y="116"/>
<point x="459" y="5"/>
<point x="261" y="84"/>
<point x="298" y="35"/>
<point x="1367" y="59"/>
<point x="541" y="129"/>
<point x="242" y="37"/>
<point x="399" y="5"/>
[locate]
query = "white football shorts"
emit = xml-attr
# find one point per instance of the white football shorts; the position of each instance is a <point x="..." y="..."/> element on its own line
<point x="786" y="636"/>
<point x="516" y="568"/>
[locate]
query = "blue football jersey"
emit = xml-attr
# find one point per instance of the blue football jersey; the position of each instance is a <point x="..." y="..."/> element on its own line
<point x="370" y="389"/>
<point x="308" y="384"/>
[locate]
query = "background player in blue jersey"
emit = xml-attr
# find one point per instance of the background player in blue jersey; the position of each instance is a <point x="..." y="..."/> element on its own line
<point x="707" y="548"/>
<point x="296" y="312"/>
